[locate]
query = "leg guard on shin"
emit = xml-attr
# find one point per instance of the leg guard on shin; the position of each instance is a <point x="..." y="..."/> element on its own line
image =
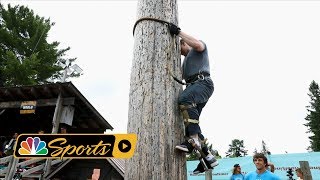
<point x="183" y="109"/>
<point x="185" y="114"/>
<point x="192" y="127"/>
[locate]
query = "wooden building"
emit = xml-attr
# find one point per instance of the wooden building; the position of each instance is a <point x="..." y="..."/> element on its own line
<point x="49" y="107"/>
<point x="86" y="118"/>
<point x="78" y="169"/>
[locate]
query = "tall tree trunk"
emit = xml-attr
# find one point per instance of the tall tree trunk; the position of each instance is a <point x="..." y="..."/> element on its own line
<point x="153" y="110"/>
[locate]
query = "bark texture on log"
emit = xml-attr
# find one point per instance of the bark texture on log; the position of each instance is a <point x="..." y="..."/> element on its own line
<point x="153" y="109"/>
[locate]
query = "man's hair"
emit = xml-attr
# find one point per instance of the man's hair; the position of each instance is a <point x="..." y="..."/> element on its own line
<point x="260" y="155"/>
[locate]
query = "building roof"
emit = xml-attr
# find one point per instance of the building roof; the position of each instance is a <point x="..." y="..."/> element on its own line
<point x="118" y="164"/>
<point x="86" y="116"/>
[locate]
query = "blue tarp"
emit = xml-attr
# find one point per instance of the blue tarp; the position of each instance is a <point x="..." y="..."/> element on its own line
<point x="282" y="163"/>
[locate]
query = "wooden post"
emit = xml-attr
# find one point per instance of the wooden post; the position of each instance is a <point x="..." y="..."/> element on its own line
<point x="55" y="129"/>
<point x="153" y="108"/>
<point x="13" y="167"/>
<point x="304" y="165"/>
<point x="57" y="115"/>
<point x="7" y="172"/>
<point x="209" y="174"/>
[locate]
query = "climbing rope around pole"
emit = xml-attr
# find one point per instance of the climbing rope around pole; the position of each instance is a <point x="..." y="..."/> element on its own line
<point x="150" y="19"/>
<point x="163" y="22"/>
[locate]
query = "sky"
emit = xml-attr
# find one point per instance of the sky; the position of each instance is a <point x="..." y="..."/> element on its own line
<point x="263" y="57"/>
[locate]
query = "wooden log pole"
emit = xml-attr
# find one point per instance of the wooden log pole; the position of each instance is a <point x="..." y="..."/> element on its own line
<point x="153" y="109"/>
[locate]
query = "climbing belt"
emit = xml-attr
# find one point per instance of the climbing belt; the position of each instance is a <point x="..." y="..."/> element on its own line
<point x="172" y="44"/>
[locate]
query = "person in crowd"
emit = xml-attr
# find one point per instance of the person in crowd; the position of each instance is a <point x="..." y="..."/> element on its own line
<point x="299" y="174"/>
<point x="9" y="148"/>
<point x="261" y="172"/>
<point x="236" y="173"/>
<point x="41" y="131"/>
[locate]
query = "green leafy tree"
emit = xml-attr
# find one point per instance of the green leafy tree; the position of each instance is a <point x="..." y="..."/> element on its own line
<point x="214" y="152"/>
<point x="236" y="149"/>
<point x="313" y="117"/>
<point x="26" y="58"/>
<point x="193" y="156"/>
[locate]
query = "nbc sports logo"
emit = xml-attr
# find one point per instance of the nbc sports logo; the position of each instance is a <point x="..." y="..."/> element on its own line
<point x="75" y="145"/>
<point x="33" y="146"/>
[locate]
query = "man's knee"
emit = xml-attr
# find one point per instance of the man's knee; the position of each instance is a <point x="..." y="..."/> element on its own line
<point x="192" y="128"/>
<point x="184" y="98"/>
<point x="181" y="100"/>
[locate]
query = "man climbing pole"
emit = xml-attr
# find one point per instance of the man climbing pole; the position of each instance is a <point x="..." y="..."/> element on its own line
<point x="199" y="88"/>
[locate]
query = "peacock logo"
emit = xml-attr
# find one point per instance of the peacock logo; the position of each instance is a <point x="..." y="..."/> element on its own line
<point x="33" y="146"/>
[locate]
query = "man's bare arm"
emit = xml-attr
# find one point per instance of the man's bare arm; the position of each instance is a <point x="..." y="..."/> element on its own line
<point x="191" y="41"/>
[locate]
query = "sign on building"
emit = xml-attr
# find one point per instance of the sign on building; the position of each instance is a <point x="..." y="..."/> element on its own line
<point x="28" y="107"/>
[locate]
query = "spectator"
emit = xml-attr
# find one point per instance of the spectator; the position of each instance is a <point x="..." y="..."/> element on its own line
<point x="41" y="131"/>
<point x="2" y="145"/>
<point x="299" y="174"/>
<point x="261" y="172"/>
<point x="236" y="173"/>
<point x="9" y="148"/>
<point x="63" y="128"/>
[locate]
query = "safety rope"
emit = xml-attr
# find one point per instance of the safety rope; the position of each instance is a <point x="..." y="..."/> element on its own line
<point x="163" y="22"/>
<point x="148" y="18"/>
<point x="176" y="79"/>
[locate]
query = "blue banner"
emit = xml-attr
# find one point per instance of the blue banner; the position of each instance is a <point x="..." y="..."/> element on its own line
<point x="282" y="163"/>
